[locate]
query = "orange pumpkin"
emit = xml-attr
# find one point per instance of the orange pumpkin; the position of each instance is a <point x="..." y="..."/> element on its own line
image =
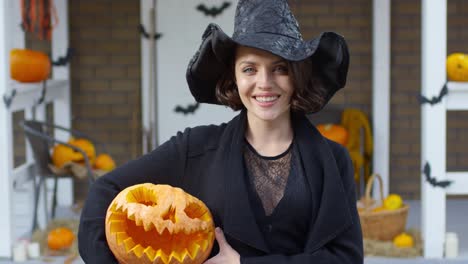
<point x="86" y="146"/>
<point x="104" y="162"/>
<point x="29" y="66"/>
<point x="457" y="67"/>
<point x="334" y="132"/>
<point x="62" y="154"/>
<point x="148" y="223"/>
<point x="60" y="238"/>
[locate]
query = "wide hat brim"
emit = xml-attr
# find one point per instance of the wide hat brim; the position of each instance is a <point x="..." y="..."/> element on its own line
<point x="328" y="52"/>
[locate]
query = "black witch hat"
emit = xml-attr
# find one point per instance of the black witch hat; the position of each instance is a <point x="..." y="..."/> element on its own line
<point x="270" y="26"/>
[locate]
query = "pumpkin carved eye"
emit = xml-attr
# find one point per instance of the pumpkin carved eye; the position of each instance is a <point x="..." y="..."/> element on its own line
<point x="149" y="223"/>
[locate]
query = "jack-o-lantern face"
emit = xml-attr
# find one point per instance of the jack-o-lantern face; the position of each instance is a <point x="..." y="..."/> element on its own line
<point x="148" y="223"/>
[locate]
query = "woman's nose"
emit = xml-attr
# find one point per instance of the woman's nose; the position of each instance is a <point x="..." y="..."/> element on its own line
<point x="264" y="80"/>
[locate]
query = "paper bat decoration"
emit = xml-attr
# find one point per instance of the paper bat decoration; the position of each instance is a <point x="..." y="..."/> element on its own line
<point x="435" y="99"/>
<point x="432" y="180"/>
<point x="190" y="109"/>
<point x="213" y="11"/>
<point x="7" y="99"/>
<point x="64" y="60"/>
<point x="145" y="34"/>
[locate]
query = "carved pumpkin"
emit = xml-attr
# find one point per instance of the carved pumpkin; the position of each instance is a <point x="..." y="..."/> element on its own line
<point x="148" y="223"/>
<point x="60" y="238"/>
<point x="62" y="154"/>
<point x="457" y="67"/>
<point x="334" y="132"/>
<point x="104" y="162"/>
<point x="29" y="66"/>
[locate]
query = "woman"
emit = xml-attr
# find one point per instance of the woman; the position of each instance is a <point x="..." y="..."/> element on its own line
<point x="278" y="191"/>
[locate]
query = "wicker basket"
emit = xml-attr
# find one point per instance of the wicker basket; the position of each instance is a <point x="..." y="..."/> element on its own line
<point x="381" y="225"/>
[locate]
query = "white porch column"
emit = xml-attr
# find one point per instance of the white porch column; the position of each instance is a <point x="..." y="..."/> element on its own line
<point x="381" y="91"/>
<point x="6" y="137"/>
<point x="433" y="126"/>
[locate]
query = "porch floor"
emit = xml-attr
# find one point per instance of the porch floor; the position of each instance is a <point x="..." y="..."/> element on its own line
<point x="457" y="214"/>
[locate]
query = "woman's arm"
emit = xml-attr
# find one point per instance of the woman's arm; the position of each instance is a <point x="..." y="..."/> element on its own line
<point x="347" y="247"/>
<point x="163" y="165"/>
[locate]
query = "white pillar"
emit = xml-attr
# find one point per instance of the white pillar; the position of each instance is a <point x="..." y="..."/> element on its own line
<point x="433" y="126"/>
<point x="6" y="137"/>
<point x="381" y="91"/>
<point x="62" y="106"/>
<point x="148" y="77"/>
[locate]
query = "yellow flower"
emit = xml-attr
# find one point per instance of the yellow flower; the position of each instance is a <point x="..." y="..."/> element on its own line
<point x="403" y="240"/>
<point x="393" y="202"/>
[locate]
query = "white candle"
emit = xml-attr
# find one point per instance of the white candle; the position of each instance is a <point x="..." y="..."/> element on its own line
<point x="451" y="245"/>
<point x="33" y="250"/>
<point x="19" y="252"/>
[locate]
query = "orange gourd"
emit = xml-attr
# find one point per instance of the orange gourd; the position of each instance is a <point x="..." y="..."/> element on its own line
<point x="60" y="238"/>
<point x="148" y="223"/>
<point x="62" y="154"/>
<point x="29" y="65"/>
<point x="457" y="67"/>
<point x="104" y="162"/>
<point x="86" y="146"/>
<point x="334" y="132"/>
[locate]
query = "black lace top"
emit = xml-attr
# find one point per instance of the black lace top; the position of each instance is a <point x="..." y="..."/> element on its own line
<point x="280" y="196"/>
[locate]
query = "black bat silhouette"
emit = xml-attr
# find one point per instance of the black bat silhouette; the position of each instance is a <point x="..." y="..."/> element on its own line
<point x="64" y="60"/>
<point x="190" y="109"/>
<point x="432" y="180"/>
<point x="8" y="99"/>
<point x="435" y="99"/>
<point x="145" y="34"/>
<point x="213" y="11"/>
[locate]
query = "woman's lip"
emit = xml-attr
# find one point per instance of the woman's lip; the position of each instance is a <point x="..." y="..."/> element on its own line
<point x="266" y="104"/>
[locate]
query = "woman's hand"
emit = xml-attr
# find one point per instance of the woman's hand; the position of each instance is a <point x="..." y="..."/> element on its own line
<point x="226" y="255"/>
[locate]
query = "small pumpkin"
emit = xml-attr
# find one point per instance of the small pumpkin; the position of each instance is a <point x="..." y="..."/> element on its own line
<point x="334" y="132"/>
<point x="403" y="240"/>
<point x="60" y="238"/>
<point x="29" y="65"/>
<point x="148" y="223"/>
<point x="62" y="154"/>
<point x="457" y="67"/>
<point x="393" y="202"/>
<point x="104" y="162"/>
<point x="86" y="146"/>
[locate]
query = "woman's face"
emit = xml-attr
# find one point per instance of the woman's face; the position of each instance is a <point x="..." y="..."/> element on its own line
<point x="264" y="82"/>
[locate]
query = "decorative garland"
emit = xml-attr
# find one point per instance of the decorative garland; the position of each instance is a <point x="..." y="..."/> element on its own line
<point x="145" y="34"/>
<point x="432" y="180"/>
<point x="435" y="99"/>
<point x="213" y="11"/>
<point x="190" y="109"/>
<point x="37" y="17"/>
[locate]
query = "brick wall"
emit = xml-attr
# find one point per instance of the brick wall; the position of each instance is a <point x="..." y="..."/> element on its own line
<point x="105" y="74"/>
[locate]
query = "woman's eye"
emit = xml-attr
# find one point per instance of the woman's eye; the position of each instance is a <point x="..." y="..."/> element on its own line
<point x="281" y="68"/>
<point x="248" y="70"/>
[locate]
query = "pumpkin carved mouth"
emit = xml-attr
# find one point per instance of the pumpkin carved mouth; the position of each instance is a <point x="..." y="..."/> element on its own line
<point x="149" y="223"/>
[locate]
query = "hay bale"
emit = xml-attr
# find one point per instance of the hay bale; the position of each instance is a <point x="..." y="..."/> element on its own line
<point x="387" y="249"/>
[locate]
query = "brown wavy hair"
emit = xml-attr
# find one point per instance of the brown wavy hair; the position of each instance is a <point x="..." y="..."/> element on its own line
<point x="309" y="91"/>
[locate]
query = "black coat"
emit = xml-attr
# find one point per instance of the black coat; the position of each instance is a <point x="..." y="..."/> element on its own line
<point x="206" y="162"/>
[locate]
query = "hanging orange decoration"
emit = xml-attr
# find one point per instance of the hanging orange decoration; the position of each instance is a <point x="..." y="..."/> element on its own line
<point x="37" y="17"/>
